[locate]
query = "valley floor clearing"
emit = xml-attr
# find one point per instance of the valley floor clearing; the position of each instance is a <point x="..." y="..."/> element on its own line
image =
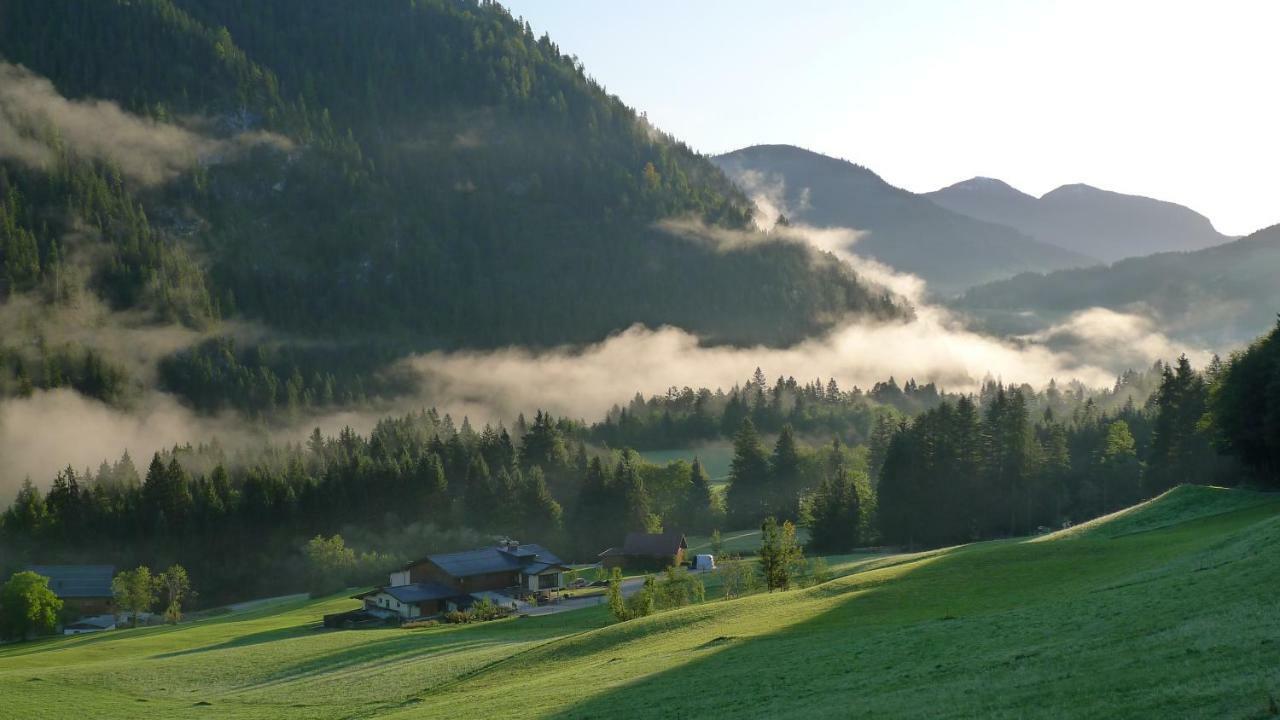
<point x="1166" y="610"/>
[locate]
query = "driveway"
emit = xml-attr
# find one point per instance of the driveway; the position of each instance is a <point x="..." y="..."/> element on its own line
<point x="629" y="587"/>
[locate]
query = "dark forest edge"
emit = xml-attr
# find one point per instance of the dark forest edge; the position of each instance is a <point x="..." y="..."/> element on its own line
<point x="1006" y="461"/>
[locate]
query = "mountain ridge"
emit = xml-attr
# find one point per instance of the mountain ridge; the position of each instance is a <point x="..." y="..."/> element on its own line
<point x="1077" y="216"/>
<point x="902" y="229"/>
<point x="1218" y="297"/>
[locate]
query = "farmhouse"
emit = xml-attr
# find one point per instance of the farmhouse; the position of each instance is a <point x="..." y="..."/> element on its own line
<point x="85" y="590"/>
<point x="647" y="551"/>
<point x="451" y="581"/>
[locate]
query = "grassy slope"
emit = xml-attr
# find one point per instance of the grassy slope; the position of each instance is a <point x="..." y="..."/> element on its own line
<point x="1168" y="610"/>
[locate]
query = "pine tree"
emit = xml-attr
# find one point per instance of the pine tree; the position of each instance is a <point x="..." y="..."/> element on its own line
<point x="748" y="477"/>
<point x="782" y="491"/>
<point x="700" y="507"/>
<point x="779" y="553"/>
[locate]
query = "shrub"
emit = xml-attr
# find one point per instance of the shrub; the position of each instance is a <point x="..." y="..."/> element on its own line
<point x="680" y="588"/>
<point x="482" y="611"/>
<point x="738" y="578"/>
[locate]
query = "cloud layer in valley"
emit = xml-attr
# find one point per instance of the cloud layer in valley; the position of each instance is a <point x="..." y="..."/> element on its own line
<point x="145" y="150"/>
<point x="49" y="430"/>
<point x="1092" y="346"/>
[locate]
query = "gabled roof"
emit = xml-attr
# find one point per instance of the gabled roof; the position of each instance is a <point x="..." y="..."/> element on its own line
<point x="654" y="544"/>
<point x="415" y="593"/>
<point x="538" y="568"/>
<point x="420" y="592"/>
<point x="78" y="581"/>
<point x="490" y="560"/>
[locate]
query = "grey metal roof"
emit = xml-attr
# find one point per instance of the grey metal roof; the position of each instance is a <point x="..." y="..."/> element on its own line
<point x="421" y="592"/>
<point x="541" y="567"/>
<point x="653" y="544"/>
<point x="491" y="560"/>
<point x="78" y="581"/>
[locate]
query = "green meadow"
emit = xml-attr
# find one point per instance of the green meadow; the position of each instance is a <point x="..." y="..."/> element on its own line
<point x="1168" y="609"/>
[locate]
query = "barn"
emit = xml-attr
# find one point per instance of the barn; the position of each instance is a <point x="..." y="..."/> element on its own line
<point x="647" y="551"/>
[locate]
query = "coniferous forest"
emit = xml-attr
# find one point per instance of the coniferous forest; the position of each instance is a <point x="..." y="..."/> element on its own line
<point x="312" y="193"/>
<point x="854" y="469"/>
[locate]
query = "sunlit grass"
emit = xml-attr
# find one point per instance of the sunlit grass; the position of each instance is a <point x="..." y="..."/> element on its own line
<point x="1166" y="611"/>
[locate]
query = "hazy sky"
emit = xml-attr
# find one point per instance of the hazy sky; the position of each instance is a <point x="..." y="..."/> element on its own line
<point x="1174" y="100"/>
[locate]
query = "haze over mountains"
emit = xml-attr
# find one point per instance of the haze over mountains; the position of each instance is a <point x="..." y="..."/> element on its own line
<point x="213" y="207"/>
<point x="909" y="232"/>
<point x="1217" y="298"/>
<point x="1099" y="223"/>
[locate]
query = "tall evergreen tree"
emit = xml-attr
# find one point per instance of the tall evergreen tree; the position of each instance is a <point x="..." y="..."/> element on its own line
<point x="783" y="489"/>
<point x="748" y="477"/>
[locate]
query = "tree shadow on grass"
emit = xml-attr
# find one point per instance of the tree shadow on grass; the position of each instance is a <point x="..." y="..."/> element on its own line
<point x="948" y="623"/>
<point x="240" y="641"/>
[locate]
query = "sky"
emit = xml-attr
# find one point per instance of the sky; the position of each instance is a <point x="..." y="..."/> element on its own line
<point x="1173" y="100"/>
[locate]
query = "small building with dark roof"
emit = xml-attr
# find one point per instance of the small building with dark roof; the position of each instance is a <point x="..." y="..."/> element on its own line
<point x="447" y="581"/>
<point x="83" y="589"/>
<point x="647" y="551"/>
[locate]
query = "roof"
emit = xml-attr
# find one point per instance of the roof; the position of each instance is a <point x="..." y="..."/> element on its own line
<point x="415" y="593"/>
<point x="420" y="592"/>
<point x="654" y="544"/>
<point x="541" y="567"/>
<point x="490" y="560"/>
<point x="78" y="581"/>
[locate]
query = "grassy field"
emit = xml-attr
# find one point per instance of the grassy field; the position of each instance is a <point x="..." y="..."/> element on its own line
<point x="715" y="459"/>
<point x="735" y="542"/>
<point x="1166" y="610"/>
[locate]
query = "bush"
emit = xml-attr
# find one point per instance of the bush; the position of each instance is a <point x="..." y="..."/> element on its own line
<point x="482" y="611"/>
<point x="680" y="588"/>
<point x="738" y="578"/>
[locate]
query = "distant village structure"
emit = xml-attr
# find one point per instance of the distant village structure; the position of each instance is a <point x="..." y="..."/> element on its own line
<point x="454" y="581"/>
<point x="647" y="551"/>
<point x="85" y="590"/>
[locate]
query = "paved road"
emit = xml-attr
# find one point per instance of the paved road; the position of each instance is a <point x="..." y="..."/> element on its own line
<point x="629" y="587"/>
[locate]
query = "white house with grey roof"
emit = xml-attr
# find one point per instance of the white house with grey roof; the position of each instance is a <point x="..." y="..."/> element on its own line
<point x="449" y="581"/>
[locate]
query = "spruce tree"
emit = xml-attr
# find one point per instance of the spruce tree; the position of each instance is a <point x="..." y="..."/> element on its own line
<point x="748" y="477"/>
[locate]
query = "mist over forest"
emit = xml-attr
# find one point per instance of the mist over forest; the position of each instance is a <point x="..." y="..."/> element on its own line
<point x="390" y="358"/>
<point x="256" y="261"/>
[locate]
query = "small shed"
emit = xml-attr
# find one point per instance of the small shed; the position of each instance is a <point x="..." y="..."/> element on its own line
<point x="641" y="550"/>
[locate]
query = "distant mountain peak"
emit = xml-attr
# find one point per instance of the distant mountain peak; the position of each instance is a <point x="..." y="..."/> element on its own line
<point x="1075" y="189"/>
<point x="1084" y="218"/>
<point x="902" y="229"/>
<point x="987" y="185"/>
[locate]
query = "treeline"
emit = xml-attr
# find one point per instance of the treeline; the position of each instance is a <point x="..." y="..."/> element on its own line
<point x="965" y="471"/>
<point x="24" y="370"/>
<point x="684" y="416"/>
<point x="415" y="484"/>
<point x="997" y="463"/>
<point x="266" y="379"/>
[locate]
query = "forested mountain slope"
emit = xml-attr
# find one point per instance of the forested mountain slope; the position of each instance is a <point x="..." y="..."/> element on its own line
<point x="412" y="174"/>
<point x="1099" y="223"/>
<point x="1219" y="296"/>
<point x="907" y="231"/>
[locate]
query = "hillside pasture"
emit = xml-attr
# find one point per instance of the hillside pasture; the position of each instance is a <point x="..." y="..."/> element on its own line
<point x="1165" y="611"/>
